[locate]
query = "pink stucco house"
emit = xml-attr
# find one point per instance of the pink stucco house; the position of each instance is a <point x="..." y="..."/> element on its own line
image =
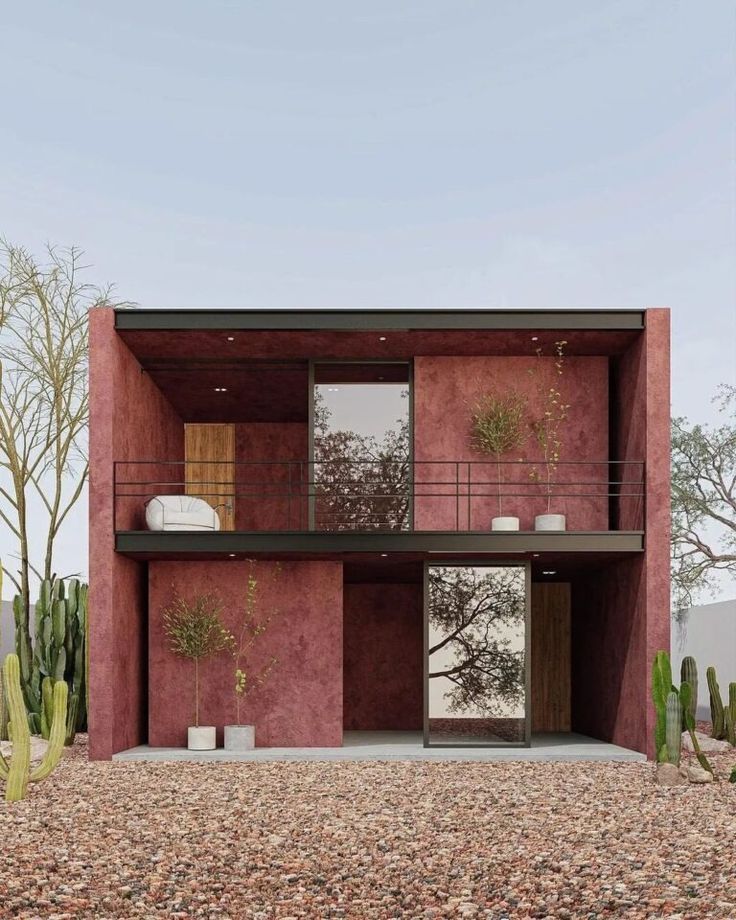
<point x="383" y="537"/>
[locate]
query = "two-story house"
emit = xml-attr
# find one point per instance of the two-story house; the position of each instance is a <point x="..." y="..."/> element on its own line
<point x="418" y="580"/>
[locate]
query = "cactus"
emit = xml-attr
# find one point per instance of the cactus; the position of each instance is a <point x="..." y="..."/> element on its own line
<point x="58" y="652"/>
<point x="661" y="687"/>
<point x="17" y="773"/>
<point x="673" y="727"/>
<point x="689" y="674"/>
<point x="717" y="719"/>
<point x="3" y="704"/>
<point x="686" y="694"/>
<point x="729" y="715"/>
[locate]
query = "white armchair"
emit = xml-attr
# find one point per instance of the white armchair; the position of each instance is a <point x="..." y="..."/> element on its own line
<point x="180" y="512"/>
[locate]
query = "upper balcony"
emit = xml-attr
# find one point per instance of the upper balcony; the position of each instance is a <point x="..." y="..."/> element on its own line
<point x="381" y="498"/>
<point x="236" y="407"/>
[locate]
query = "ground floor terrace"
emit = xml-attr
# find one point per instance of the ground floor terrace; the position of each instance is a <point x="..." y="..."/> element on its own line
<point x="389" y="654"/>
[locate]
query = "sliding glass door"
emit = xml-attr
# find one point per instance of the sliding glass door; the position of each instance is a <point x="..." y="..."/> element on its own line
<point x="361" y="446"/>
<point x="476" y="686"/>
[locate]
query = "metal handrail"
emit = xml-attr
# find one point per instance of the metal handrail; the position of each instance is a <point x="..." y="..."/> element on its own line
<point x="466" y="481"/>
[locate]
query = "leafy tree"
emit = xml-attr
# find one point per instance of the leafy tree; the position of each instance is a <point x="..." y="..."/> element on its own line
<point x="479" y="614"/>
<point x="360" y="481"/>
<point x="703" y="502"/>
<point x="195" y="632"/>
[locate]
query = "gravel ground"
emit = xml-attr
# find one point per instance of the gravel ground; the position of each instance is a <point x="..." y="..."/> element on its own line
<point x="368" y="840"/>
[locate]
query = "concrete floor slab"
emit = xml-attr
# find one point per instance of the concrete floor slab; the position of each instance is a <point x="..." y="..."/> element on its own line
<point x="401" y="746"/>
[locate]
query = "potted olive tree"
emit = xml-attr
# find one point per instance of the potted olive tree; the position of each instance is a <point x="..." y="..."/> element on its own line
<point x="548" y="432"/>
<point x="252" y="625"/>
<point x="498" y="428"/>
<point x="195" y="632"/>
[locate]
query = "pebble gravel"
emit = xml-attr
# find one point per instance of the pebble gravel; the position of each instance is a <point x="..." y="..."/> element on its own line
<point x="368" y="840"/>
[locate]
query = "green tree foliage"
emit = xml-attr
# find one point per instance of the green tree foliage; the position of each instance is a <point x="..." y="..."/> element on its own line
<point x="703" y="502"/>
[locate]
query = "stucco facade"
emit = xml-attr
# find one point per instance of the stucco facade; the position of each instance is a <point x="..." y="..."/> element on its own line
<point x="348" y="634"/>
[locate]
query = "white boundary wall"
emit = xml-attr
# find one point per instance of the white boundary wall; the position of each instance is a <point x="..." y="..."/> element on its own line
<point x="708" y="634"/>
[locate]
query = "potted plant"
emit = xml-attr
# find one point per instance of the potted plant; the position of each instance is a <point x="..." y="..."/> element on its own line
<point x="195" y="632"/>
<point x="547" y="431"/>
<point x="240" y="737"/>
<point x="497" y="429"/>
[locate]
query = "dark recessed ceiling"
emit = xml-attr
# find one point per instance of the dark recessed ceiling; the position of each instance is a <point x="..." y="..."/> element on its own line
<point x="253" y="392"/>
<point x="154" y="344"/>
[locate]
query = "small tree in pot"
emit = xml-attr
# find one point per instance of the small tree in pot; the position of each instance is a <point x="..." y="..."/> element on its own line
<point x="195" y="632"/>
<point x="252" y="625"/>
<point x="498" y="428"/>
<point x="547" y="430"/>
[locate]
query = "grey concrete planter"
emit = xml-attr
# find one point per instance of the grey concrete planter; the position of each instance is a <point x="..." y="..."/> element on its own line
<point x="240" y="737"/>
<point x="505" y="523"/>
<point x="201" y="738"/>
<point x="549" y="522"/>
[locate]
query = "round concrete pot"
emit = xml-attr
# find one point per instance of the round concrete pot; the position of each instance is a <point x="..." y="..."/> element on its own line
<point x="240" y="737"/>
<point x="201" y="738"/>
<point x="505" y="523"/>
<point x="549" y="522"/>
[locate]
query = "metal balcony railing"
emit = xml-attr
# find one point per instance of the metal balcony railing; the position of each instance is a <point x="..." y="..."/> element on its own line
<point x="388" y="494"/>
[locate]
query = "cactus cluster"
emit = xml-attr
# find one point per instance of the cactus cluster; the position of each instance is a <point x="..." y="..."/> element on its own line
<point x="673" y="707"/>
<point x="722" y="717"/>
<point x="57" y="652"/>
<point x="17" y="772"/>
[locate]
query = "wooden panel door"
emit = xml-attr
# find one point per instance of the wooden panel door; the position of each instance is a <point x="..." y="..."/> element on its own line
<point x="550" y="657"/>
<point x="209" y="451"/>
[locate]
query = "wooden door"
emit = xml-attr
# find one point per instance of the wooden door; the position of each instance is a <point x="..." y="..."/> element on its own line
<point x="550" y="657"/>
<point x="209" y="451"/>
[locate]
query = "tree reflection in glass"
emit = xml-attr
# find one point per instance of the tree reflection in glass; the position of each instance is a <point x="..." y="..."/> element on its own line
<point x="476" y="654"/>
<point x="362" y="478"/>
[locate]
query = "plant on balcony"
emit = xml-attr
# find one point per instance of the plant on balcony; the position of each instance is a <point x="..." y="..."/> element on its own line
<point x="195" y="632"/>
<point x="498" y="428"/>
<point x="547" y="430"/>
<point x="252" y="625"/>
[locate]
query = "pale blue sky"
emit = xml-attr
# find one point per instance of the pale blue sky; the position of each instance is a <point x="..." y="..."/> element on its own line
<point x="504" y="153"/>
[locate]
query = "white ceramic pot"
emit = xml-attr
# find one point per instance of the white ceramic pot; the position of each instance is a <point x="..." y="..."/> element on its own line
<point x="505" y="523"/>
<point x="549" y="522"/>
<point x="240" y="737"/>
<point x="201" y="738"/>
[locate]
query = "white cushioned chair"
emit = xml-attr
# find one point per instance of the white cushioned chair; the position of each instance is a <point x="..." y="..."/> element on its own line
<point x="180" y="512"/>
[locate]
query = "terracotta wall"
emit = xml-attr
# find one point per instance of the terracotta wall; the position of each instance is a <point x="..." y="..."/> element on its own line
<point x="445" y="391"/>
<point x="270" y="507"/>
<point x="383" y="648"/>
<point x="129" y="419"/>
<point x="301" y="704"/>
<point x="621" y="613"/>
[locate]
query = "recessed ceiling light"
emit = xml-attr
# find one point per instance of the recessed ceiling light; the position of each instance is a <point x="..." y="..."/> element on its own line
<point x="231" y="555"/>
<point x="381" y="338"/>
<point x="535" y="338"/>
<point x="220" y="389"/>
<point x="549" y="572"/>
<point x="383" y="555"/>
<point x="535" y="555"/>
<point x="231" y="338"/>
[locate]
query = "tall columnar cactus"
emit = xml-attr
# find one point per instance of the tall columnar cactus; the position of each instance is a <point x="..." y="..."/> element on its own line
<point x="57" y="653"/>
<point x="661" y="687"/>
<point x="689" y="674"/>
<point x="3" y="703"/>
<point x="729" y="715"/>
<point x="717" y="718"/>
<point x="686" y="695"/>
<point x="17" y="772"/>
<point x="673" y="719"/>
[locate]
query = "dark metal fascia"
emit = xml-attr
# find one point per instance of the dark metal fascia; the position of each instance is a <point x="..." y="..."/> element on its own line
<point x="367" y="320"/>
